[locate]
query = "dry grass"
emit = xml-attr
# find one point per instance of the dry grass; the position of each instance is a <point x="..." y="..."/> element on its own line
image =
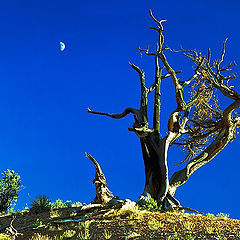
<point x="131" y="211"/>
<point x="40" y="237"/>
<point x="126" y="223"/>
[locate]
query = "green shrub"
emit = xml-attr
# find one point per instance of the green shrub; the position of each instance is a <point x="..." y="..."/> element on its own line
<point x="58" y="204"/>
<point x="38" y="223"/>
<point x="41" y="204"/>
<point x="151" y="204"/>
<point x="210" y="215"/>
<point x="10" y="184"/>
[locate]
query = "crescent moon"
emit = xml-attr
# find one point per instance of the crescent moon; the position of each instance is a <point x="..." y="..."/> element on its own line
<point x="62" y="46"/>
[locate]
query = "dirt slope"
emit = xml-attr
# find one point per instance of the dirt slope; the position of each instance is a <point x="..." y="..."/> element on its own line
<point x="126" y="222"/>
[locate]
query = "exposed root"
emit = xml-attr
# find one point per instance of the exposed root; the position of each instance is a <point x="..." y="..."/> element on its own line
<point x="11" y="230"/>
<point x="189" y="209"/>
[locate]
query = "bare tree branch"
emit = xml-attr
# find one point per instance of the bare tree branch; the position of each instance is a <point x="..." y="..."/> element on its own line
<point x="158" y="22"/>
<point x="143" y="117"/>
<point x="225" y="135"/>
<point x="222" y="56"/>
<point x="197" y="73"/>
<point x="157" y="96"/>
<point x="118" y="115"/>
<point x="209" y="56"/>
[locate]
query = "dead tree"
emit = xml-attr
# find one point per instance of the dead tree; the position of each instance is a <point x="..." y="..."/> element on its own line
<point x="197" y="124"/>
<point x="103" y="194"/>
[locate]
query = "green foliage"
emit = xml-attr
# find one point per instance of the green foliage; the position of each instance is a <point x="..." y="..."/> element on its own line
<point x="38" y="223"/>
<point x="210" y="215"/>
<point x="151" y="204"/>
<point x="10" y="184"/>
<point x="59" y="204"/>
<point x="41" y="204"/>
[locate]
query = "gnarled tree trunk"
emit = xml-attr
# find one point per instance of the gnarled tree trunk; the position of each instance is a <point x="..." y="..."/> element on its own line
<point x="155" y="153"/>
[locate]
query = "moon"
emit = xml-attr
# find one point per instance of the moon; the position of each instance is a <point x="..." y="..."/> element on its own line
<point x="62" y="46"/>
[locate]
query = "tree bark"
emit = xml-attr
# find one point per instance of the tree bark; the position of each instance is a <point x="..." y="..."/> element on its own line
<point x="103" y="194"/>
<point x="154" y="152"/>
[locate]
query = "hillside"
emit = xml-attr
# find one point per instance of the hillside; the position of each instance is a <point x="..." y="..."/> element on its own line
<point x="121" y="220"/>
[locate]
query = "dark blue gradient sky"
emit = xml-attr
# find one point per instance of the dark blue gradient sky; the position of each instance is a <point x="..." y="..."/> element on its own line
<point x="44" y="94"/>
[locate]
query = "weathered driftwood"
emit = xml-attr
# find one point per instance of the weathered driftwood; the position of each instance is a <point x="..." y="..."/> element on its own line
<point x="103" y="194"/>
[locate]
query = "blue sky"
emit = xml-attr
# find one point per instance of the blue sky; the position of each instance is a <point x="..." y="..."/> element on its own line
<point x="44" y="94"/>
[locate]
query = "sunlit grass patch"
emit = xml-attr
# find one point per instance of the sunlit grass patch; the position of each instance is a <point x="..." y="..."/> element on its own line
<point x="107" y="234"/>
<point x="38" y="236"/>
<point x="69" y="233"/>
<point x="188" y="225"/>
<point x="84" y="230"/>
<point x="130" y="210"/>
<point x="155" y="225"/>
<point x="5" y="237"/>
<point x="54" y="213"/>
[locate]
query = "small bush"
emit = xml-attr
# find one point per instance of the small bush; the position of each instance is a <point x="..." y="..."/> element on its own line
<point x="38" y="223"/>
<point x="150" y="204"/>
<point x="130" y="209"/>
<point x="41" y="204"/>
<point x="58" y="204"/>
<point x="210" y="215"/>
<point x="10" y="184"/>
